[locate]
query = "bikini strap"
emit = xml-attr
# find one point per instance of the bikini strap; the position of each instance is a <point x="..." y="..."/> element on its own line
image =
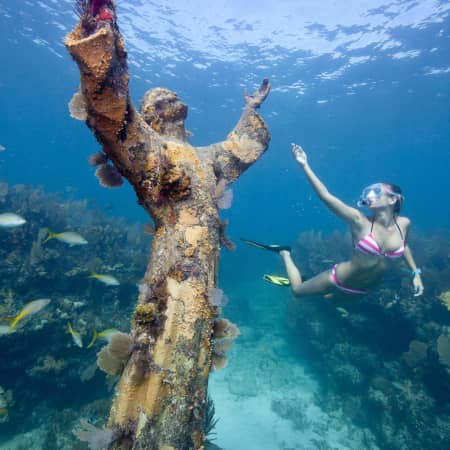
<point x="399" y="229"/>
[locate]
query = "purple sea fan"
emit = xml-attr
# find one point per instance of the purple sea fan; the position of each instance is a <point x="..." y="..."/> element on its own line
<point x="220" y="187"/>
<point x="219" y="361"/>
<point x="225" y="200"/>
<point x="217" y="297"/>
<point x="223" y="328"/>
<point x="108" y="176"/>
<point x="97" y="158"/>
<point x="96" y="438"/>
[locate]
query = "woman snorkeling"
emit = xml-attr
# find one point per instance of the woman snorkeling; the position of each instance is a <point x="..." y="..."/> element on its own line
<point x="377" y="239"/>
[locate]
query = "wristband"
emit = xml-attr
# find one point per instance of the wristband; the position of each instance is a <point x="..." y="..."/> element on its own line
<point x="416" y="272"/>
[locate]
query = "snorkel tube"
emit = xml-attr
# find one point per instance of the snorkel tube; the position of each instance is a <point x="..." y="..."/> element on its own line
<point x="363" y="202"/>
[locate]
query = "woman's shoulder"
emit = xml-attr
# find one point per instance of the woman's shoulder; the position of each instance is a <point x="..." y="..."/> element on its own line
<point x="402" y="220"/>
<point x="403" y="223"/>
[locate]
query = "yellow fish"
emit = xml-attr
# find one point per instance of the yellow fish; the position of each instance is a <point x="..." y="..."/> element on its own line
<point x="105" y="335"/>
<point x="68" y="237"/>
<point x="30" y="308"/>
<point x="109" y="280"/>
<point x="3" y="411"/>
<point x="76" y="336"/>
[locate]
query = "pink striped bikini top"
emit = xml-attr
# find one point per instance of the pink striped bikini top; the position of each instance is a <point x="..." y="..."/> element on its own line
<point x="369" y="245"/>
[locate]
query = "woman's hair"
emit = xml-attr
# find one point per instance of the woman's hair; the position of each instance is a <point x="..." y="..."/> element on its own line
<point x="396" y="190"/>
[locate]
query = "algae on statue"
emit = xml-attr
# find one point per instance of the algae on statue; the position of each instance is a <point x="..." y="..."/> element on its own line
<point x="161" y="397"/>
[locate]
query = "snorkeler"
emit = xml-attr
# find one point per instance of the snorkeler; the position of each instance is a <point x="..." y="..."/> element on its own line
<point x="377" y="239"/>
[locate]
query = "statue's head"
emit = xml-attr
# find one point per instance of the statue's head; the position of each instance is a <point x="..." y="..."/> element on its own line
<point x="164" y="112"/>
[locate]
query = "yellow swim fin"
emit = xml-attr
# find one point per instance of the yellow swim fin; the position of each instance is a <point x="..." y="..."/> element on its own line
<point x="275" y="279"/>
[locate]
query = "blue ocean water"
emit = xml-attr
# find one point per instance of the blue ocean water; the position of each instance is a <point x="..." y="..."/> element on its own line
<point x="364" y="88"/>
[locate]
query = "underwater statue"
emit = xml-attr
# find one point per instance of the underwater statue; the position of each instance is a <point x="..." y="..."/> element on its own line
<point x="161" y="397"/>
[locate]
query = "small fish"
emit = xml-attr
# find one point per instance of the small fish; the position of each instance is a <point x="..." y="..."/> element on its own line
<point x="342" y="311"/>
<point x="76" y="336"/>
<point x="68" y="237"/>
<point x="109" y="280"/>
<point x="10" y="220"/>
<point x="2" y="148"/>
<point x="3" y="411"/>
<point x="30" y="308"/>
<point x="104" y="335"/>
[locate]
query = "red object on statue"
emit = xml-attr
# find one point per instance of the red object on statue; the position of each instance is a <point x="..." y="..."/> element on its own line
<point x="105" y="15"/>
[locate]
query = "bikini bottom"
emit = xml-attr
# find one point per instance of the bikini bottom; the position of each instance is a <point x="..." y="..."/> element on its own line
<point x="343" y="287"/>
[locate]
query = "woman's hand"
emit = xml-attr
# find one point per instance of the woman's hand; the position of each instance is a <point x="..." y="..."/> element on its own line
<point x="418" y="285"/>
<point x="299" y="154"/>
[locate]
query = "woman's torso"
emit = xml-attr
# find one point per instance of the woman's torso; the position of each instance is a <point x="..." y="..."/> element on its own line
<point x="366" y="269"/>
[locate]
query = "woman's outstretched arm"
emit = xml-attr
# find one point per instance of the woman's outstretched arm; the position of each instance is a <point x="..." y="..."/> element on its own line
<point x="345" y="212"/>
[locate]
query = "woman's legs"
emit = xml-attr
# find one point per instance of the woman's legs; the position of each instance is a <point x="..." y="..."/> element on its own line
<point x="318" y="285"/>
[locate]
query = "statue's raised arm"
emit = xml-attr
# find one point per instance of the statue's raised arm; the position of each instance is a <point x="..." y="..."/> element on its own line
<point x="247" y="141"/>
<point x="99" y="51"/>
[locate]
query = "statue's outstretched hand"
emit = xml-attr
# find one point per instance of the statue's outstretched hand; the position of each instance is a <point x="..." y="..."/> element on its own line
<point x="255" y="100"/>
<point x="299" y="154"/>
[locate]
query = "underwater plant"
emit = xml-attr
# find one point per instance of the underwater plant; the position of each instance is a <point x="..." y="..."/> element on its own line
<point x="96" y="438"/>
<point x="40" y="359"/>
<point x="210" y="420"/>
<point x="384" y="363"/>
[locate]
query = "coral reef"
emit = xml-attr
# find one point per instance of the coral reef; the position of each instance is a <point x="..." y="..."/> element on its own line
<point x="40" y="367"/>
<point x="385" y="363"/>
<point x="384" y="366"/>
<point x="6" y="402"/>
<point x="444" y="297"/>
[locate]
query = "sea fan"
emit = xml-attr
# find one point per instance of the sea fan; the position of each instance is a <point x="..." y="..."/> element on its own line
<point x="219" y="361"/>
<point x="96" y="438"/>
<point x="78" y="106"/>
<point x="97" y="158"/>
<point x="108" y="176"/>
<point x="223" y="328"/>
<point x="222" y="346"/>
<point x="217" y="297"/>
<point x="225" y="200"/>
<point x="120" y="346"/>
<point x="108" y="363"/>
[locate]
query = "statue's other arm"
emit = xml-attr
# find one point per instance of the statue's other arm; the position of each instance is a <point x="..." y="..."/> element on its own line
<point x="246" y="142"/>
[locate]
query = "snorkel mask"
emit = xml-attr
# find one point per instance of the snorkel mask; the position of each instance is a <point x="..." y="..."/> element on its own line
<point x="374" y="192"/>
